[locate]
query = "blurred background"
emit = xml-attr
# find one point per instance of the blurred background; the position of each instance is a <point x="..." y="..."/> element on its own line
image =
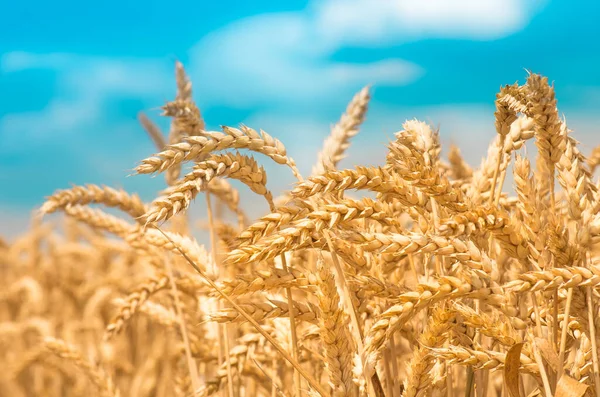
<point x="73" y="78"/>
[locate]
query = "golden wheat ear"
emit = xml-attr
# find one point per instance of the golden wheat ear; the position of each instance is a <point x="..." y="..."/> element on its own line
<point x="338" y="142"/>
<point x="312" y="382"/>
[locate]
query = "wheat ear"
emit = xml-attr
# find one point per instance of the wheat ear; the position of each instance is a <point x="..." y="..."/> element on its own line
<point x="338" y="141"/>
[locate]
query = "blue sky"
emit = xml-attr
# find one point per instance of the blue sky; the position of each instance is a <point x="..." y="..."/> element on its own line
<point x="73" y="78"/>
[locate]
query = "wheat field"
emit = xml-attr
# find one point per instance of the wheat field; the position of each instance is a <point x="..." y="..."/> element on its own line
<point x="423" y="276"/>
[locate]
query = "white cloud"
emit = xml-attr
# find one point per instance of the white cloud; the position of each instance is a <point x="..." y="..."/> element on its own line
<point x="285" y="58"/>
<point x="20" y="60"/>
<point x="377" y="22"/>
<point x="274" y="59"/>
<point x="83" y="85"/>
<point x="58" y="117"/>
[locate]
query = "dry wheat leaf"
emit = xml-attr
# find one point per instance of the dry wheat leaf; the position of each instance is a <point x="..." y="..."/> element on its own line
<point x="569" y="387"/>
<point x="548" y="353"/>
<point x="511" y="370"/>
<point x="535" y="393"/>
